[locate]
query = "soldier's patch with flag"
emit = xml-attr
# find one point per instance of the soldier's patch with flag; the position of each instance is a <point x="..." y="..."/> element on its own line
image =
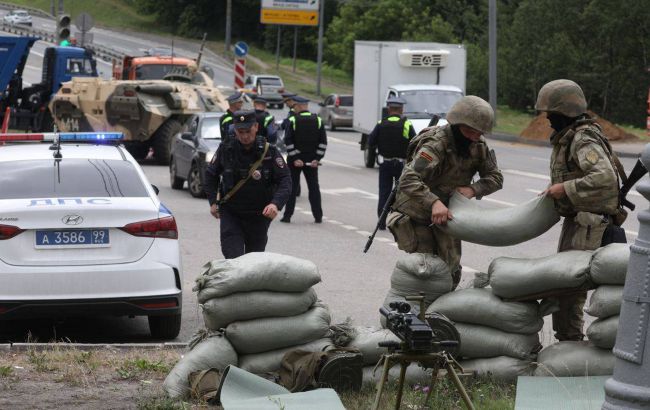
<point x="592" y="156"/>
<point x="426" y="156"/>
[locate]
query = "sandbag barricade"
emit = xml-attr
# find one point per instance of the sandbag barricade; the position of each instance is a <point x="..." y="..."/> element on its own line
<point x="574" y="359"/>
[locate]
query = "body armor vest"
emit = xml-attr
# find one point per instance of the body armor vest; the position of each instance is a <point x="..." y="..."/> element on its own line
<point x="391" y="142"/>
<point x="306" y="133"/>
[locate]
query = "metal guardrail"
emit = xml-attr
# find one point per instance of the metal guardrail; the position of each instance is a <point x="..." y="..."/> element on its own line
<point x="31" y="10"/>
<point x="105" y="53"/>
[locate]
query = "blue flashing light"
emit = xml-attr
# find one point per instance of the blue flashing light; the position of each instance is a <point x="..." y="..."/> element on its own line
<point x="91" y="136"/>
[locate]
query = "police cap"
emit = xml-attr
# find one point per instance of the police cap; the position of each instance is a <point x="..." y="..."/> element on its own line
<point x="300" y="100"/>
<point x="288" y="96"/>
<point x="395" y="102"/>
<point x="235" y="98"/>
<point x="244" y="119"/>
<point x="260" y="99"/>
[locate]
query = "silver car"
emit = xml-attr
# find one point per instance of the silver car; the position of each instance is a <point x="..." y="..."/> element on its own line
<point x="336" y="111"/>
<point x="18" y="17"/>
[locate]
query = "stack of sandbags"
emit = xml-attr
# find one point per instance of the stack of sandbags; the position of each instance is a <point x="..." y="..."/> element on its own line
<point x="266" y="305"/>
<point x="501" y="337"/>
<point x="415" y="273"/>
<point x="608" y="269"/>
<point x="517" y="278"/>
<point x="573" y="359"/>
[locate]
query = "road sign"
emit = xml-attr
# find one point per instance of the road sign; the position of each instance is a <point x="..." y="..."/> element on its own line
<point x="290" y="12"/>
<point x="84" y="22"/>
<point x="241" y="49"/>
<point x="240" y="72"/>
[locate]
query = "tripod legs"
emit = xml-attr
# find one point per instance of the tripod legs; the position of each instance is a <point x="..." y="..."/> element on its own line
<point x="382" y="381"/>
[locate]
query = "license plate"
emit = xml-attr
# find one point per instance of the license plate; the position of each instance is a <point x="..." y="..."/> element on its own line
<point x="73" y="238"/>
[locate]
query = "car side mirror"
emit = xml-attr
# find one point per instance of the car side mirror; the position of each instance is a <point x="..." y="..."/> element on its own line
<point x="155" y="189"/>
<point x="187" y="136"/>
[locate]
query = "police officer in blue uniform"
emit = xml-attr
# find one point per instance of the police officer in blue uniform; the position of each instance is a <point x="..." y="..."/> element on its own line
<point x="391" y="138"/>
<point x="235" y="103"/>
<point x="306" y="143"/>
<point x="247" y="183"/>
<point x="288" y="100"/>
<point x="265" y="121"/>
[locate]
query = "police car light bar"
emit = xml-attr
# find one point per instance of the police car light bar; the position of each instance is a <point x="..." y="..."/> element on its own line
<point x="64" y="137"/>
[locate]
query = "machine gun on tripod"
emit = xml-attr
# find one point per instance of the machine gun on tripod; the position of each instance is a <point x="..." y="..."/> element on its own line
<point x="430" y="340"/>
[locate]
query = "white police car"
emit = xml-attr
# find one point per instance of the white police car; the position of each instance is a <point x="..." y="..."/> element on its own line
<point x="83" y="233"/>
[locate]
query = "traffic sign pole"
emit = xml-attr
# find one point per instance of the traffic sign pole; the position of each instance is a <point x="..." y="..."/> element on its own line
<point x="240" y="72"/>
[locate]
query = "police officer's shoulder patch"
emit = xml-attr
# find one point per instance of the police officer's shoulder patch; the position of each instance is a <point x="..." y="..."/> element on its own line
<point x="279" y="162"/>
<point x="592" y="156"/>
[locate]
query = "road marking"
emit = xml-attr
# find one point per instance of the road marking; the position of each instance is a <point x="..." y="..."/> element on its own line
<point x="631" y="232"/>
<point x="350" y="227"/>
<point x="386" y="240"/>
<point x="364" y="233"/>
<point x="335" y="222"/>
<point x="496" y="201"/>
<point x="339" y="164"/>
<point x="469" y="270"/>
<point x="342" y="141"/>
<point x="31" y="67"/>
<point x="350" y="190"/>
<point x="526" y="174"/>
<point x="534" y="191"/>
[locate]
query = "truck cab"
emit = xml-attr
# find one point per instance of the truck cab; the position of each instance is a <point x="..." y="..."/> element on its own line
<point x="148" y="67"/>
<point x="29" y="104"/>
<point x="425" y="100"/>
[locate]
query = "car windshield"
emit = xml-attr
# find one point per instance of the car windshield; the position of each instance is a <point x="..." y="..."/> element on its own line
<point x="429" y="101"/>
<point x="80" y="66"/>
<point x="345" y="101"/>
<point x="76" y="178"/>
<point x="271" y="81"/>
<point x="154" y="71"/>
<point x="210" y="128"/>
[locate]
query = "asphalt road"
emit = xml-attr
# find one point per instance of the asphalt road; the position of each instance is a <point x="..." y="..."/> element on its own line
<point x="353" y="283"/>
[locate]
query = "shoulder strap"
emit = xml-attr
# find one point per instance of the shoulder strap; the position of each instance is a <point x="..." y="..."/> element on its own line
<point x="241" y="182"/>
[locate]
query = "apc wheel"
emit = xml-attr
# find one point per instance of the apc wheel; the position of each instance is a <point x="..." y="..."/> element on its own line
<point x="369" y="158"/>
<point x="175" y="182"/>
<point x="330" y="124"/>
<point x="162" y="140"/>
<point x="194" y="182"/>
<point x="165" y="327"/>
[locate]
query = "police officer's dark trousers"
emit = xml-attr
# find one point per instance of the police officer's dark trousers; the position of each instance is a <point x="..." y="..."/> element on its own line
<point x="389" y="173"/>
<point x="311" y="175"/>
<point x="242" y="234"/>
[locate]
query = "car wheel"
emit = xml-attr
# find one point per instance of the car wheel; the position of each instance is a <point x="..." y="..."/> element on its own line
<point x="330" y="124"/>
<point x="369" y="158"/>
<point x="194" y="182"/>
<point x="176" y="182"/>
<point x="165" y="327"/>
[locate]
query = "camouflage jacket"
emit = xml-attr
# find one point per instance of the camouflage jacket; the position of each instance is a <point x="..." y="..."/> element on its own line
<point x="434" y="170"/>
<point x="582" y="161"/>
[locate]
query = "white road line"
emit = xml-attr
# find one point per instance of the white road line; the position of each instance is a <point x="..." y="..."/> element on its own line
<point x="305" y="212"/>
<point x="31" y="67"/>
<point x="335" y="222"/>
<point x="350" y="227"/>
<point x="526" y="174"/>
<point x="386" y="240"/>
<point x="350" y="190"/>
<point x="342" y="141"/>
<point x="469" y="270"/>
<point x="339" y="164"/>
<point x="496" y="201"/>
<point x="364" y="233"/>
<point x="394" y="244"/>
<point x="534" y="191"/>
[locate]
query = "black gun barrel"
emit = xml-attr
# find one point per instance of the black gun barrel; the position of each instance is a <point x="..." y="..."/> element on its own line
<point x="384" y="312"/>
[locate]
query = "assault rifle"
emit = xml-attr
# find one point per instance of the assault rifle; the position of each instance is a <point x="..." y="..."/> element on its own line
<point x="384" y="213"/>
<point x="637" y="173"/>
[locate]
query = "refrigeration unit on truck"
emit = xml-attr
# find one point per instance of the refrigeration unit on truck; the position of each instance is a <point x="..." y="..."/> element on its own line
<point x="430" y="77"/>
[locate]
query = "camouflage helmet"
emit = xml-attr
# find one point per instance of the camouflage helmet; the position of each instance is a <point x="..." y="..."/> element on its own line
<point x="562" y="96"/>
<point x="472" y="111"/>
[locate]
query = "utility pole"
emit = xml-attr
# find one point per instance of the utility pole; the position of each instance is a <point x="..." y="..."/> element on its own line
<point x="295" y="46"/>
<point x="277" y="49"/>
<point x="319" y="58"/>
<point x="492" y="33"/>
<point x="52" y="8"/>
<point x="228" y="25"/>
<point x="61" y="11"/>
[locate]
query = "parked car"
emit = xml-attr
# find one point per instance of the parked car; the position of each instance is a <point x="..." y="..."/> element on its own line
<point x="192" y="150"/>
<point x="87" y="236"/>
<point x="18" y="17"/>
<point x="268" y="86"/>
<point x="337" y="111"/>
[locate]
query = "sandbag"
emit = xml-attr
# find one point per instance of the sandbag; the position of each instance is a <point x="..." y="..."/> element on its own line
<point x="255" y="271"/>
<point x="405" y="284"/>
<point x="220" y="312"/>
<point x="414" y="374"/>
<point x="481" y="341"/>
<point x="602" y="332"/>
<point x="423" y="266"/>
<point x="482" y="307"/>
<point x="501" y="368"/>
<point x="609" y="264"/>
<point x="605" y="301"/>
<point x="266" y="362"/>
<point x="517" y="277"/>
<point x="479" y="222"/>
<point x="366" y="339"/>
<point x="262" y="335"/>
<point x="215" y="351"/>
<point x="573" y="359"/>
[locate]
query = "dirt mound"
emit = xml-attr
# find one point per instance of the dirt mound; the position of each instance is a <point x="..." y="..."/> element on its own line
<point x="539" y="129"/>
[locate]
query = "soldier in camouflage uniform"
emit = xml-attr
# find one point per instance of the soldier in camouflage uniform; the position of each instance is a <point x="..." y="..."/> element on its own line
<point x="441" y="161"/>
<point x="584" y="185"/>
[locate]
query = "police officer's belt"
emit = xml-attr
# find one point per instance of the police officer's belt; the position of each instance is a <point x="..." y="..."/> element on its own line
<point x="241" y="182"/>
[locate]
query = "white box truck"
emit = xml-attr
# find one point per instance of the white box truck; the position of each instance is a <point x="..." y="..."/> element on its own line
<point x="429" y="76"/>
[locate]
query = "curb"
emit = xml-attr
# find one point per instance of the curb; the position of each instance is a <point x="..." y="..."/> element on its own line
<point x="538" y="143"/>
<point x="23" y="347"/>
